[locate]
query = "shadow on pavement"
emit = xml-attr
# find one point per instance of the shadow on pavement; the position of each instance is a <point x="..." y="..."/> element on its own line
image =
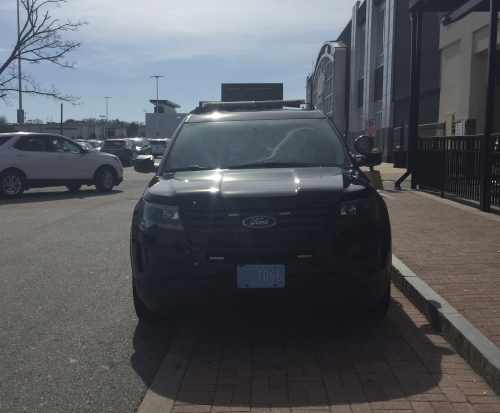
<point x="151" y="342"/>
<point x="283" y="357"/>
<point x="57" y="195"/>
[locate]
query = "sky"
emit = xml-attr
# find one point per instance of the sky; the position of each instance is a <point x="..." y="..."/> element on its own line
<point x="195" y="45"/>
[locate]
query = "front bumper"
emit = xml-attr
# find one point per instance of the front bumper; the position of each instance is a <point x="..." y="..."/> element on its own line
<point x="168" y="274"/>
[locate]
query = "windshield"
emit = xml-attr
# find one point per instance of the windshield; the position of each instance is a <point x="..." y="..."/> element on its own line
<point x="257" y="144"/>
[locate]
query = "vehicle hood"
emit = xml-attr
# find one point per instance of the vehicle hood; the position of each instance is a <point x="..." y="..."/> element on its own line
<point x="322" y="182"/>
<point x="99" y="153"/>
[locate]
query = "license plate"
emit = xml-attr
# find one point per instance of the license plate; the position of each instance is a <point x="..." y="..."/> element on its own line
<point x="261" y="276"/>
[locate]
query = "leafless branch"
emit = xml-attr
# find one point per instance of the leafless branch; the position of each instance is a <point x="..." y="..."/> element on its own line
<point x="39" y="41"/>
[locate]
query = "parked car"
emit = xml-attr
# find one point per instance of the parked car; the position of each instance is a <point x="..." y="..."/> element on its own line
<point x="96" y="144"/>
<point x="124" y="149"/>
<point x="38" y="160"/>
<point x="84" y="144"/>
<point x="158" y="146"/>
<point x="260" y="206"/>
<point x="142" y="145"/>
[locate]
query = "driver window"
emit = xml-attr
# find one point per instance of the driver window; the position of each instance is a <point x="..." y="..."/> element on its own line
<point x="63" y="145"/>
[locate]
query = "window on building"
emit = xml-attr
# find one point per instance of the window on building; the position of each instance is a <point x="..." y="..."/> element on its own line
<point x="378" y="114"/>
<point x="380" y="34"/>
<point x="323" y="85"/>
<point x="361" y="75"/>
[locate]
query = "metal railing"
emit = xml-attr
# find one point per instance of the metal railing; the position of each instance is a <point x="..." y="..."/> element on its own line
<point x="452" y="164"/>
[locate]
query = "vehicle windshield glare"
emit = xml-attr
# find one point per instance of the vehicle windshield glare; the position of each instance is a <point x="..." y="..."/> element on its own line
<point x="257" y="144"/>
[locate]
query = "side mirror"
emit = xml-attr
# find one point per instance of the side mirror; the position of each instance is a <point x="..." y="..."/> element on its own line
<point x="83" y="151"/>
<point x="364" y="144"/>
<point x="145" y="164"/>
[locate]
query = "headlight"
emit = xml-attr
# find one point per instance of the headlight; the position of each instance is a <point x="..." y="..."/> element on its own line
<point x="355" y="212"/>
<point x="161" y="216"/>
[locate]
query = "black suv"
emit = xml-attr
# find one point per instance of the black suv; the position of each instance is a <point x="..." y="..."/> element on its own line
<point x="124" y="149"/>
<point x="260" y="206"/>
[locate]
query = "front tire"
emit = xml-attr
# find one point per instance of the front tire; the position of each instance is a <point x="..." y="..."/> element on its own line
<point x="104" y="179"/>
<point x="12" y="184"/>
<point x="380" y="309"/>
<point x="144" y="313"/>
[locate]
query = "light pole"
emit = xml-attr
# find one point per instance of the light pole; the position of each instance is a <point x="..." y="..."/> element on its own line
<point x="105" y="131"/>
<point x="157" y="107"/>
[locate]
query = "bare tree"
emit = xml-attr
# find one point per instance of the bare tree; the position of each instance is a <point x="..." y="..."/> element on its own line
<point x="39" y="41"/>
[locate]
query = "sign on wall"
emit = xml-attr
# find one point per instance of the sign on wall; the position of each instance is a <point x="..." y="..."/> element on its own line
<point x="370" y="127"/>
<point x="460" y="128"/>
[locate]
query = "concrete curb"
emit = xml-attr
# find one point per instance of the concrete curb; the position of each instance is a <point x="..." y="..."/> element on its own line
<point x="161" y="395"/>
<point x="479" y="351"/>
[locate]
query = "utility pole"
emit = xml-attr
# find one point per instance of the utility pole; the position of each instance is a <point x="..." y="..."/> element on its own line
<point x="157" y="107"/>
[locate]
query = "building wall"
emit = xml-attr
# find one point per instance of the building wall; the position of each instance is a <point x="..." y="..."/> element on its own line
<point x="73" y="131"/>
<point x="372" y="60"/>
<point x="464" y="47"/>
<point x="162" y="125"/>
<point x="430" y="67"/>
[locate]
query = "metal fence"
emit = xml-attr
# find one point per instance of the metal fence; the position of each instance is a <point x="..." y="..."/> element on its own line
<point x="452" y="164"/>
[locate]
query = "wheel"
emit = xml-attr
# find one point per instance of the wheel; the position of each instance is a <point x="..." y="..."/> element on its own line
<point x="380" y="309"/>
<point x="104" y="179"/>
<point x="73" y="188"/>
<point x="11" y="184"/>
<point x="143" y="312"/>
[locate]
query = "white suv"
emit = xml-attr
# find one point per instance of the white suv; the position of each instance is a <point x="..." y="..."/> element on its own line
<point x="38" y="160"/>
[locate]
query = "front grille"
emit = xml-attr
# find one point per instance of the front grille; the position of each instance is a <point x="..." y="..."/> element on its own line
<point x="222" y="227"/>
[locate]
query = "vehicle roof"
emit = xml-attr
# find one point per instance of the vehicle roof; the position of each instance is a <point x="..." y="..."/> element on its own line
<point x="30" y="133"/>
<point x="256" y="115"/>
<point x="117" y="139"/>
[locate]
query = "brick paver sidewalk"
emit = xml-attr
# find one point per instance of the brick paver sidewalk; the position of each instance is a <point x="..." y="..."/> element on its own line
<point x="454" y="251"/>
<point x="285" y="361"/>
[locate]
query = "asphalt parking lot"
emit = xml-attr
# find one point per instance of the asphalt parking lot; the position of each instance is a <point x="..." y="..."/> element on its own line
<point x="70" y="340"/>
<point x="69" y="336"/>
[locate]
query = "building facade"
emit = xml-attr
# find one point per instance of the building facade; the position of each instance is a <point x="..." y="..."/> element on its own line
<point x="164" y="121"/>
<point x="75" y="130"/>
<point x="464" y="51"/>
<point x="376" y="73"/>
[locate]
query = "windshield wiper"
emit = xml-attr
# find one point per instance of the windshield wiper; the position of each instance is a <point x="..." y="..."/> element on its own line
<point x="188" y="168"/>
<point x="271" y="165"/>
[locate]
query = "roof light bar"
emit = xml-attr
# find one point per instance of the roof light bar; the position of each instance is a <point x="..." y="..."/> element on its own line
<point x="208" y="107"/>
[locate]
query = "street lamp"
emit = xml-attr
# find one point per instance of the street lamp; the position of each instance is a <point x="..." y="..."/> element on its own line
<point x="157" y="107"/>
<point x="107" y="97"/>
<point x="105" y="132"/>
<point x="102" y="117"/>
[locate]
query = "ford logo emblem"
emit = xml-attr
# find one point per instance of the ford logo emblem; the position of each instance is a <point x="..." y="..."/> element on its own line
<point x="259" y="222"/>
